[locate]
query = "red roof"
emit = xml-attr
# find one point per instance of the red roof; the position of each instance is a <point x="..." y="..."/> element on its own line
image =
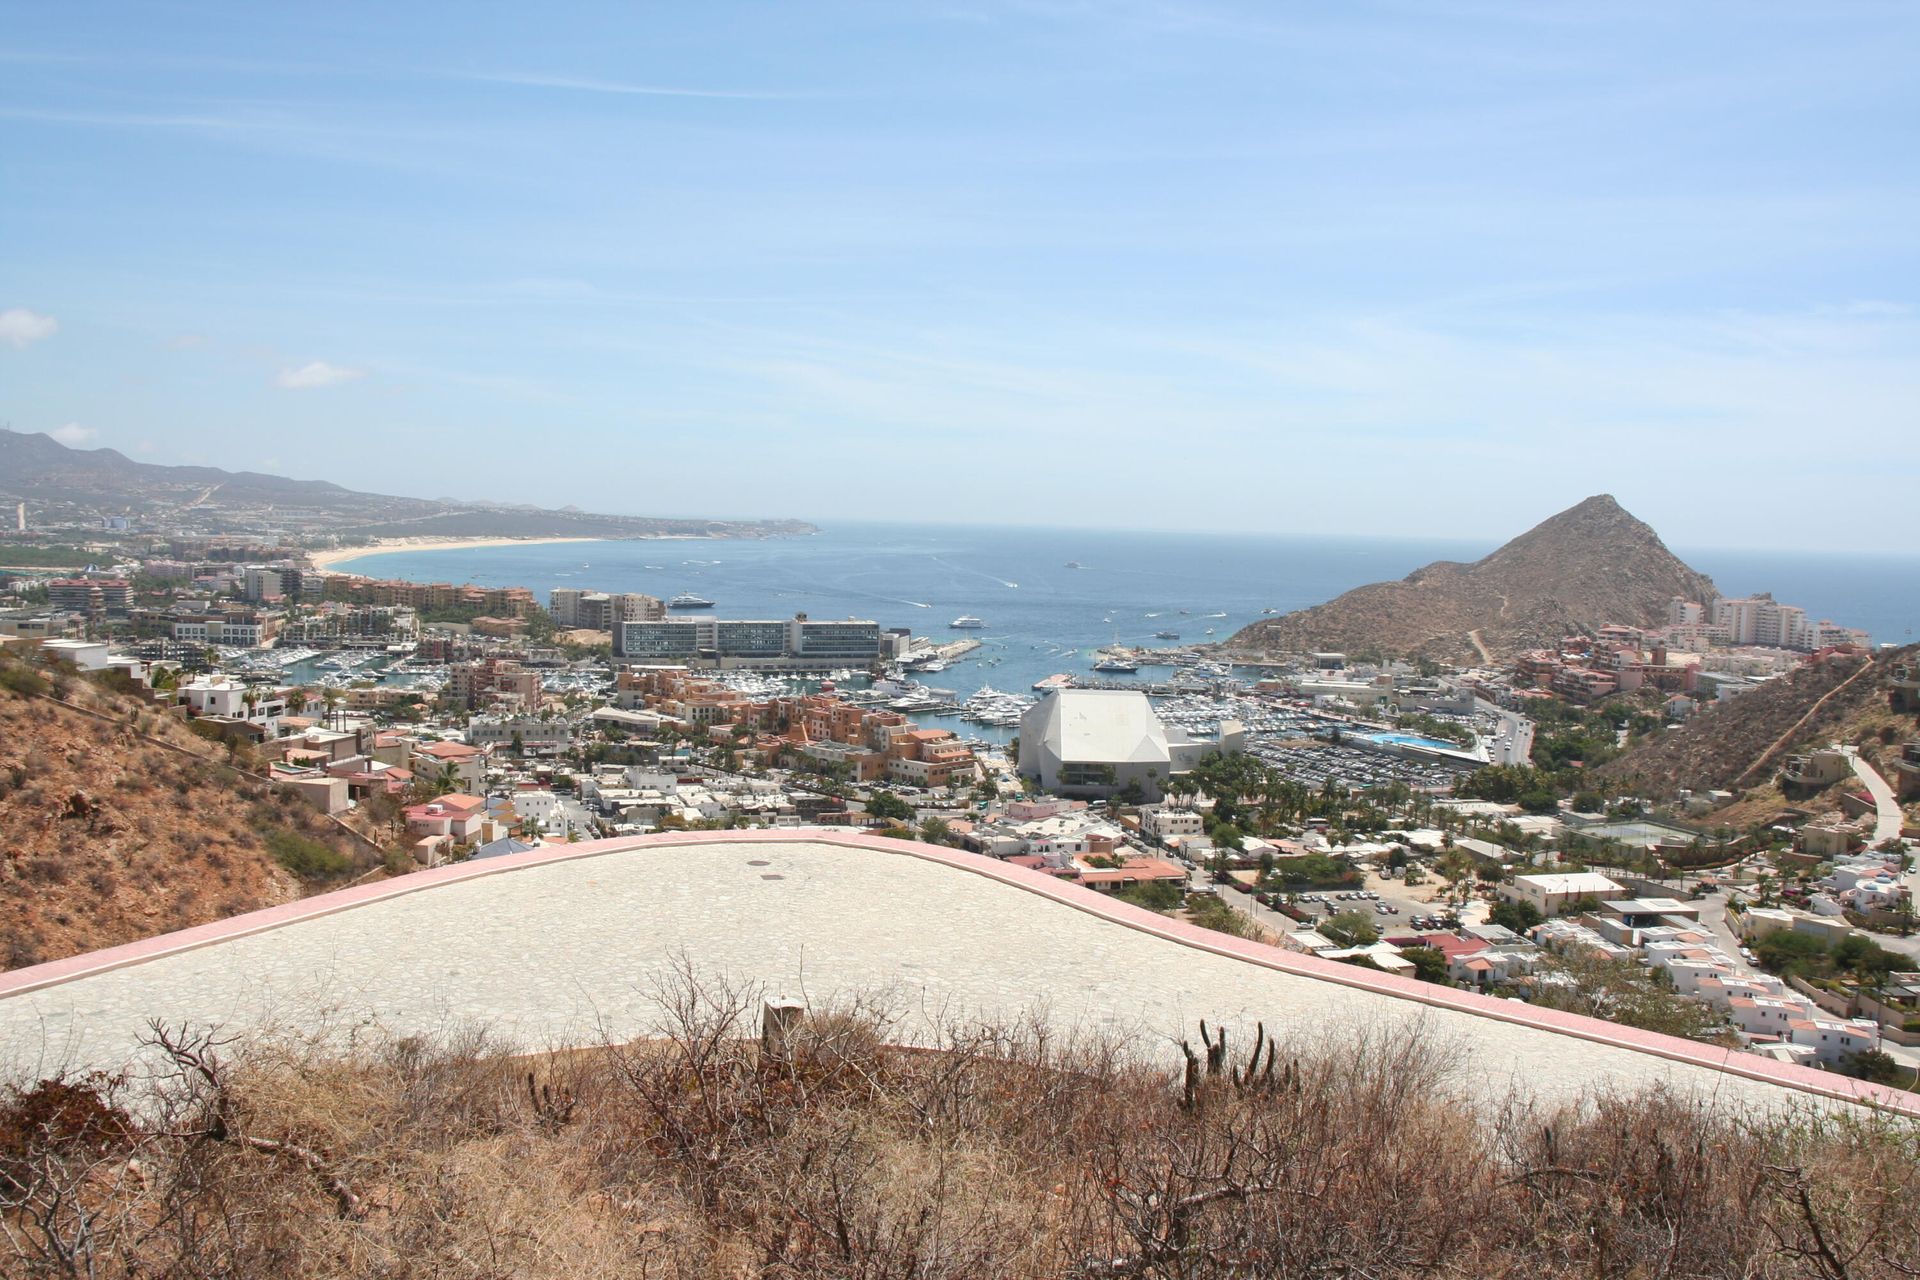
<point x="1450" y="945"/>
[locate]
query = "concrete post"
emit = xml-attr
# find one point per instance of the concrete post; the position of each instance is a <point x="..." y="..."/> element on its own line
<point x="780" y="1017"/>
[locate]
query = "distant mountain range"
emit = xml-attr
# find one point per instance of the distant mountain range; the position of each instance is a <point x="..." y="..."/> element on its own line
<point x="1590" y="565"/>
<point x="39" y="470"/>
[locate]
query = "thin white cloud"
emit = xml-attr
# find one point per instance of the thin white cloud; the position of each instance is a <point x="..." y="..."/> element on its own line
<point x="19" y="326"/>
<point x="73" y="435"/>
<point x="318" y="373"/>
<point x="578" y="84"/>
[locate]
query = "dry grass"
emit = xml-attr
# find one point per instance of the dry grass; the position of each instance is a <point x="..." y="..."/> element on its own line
<point x="1006" y="1151"/>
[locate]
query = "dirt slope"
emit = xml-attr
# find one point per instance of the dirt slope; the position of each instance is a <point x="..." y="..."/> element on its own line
<point x="107" y="836"/>
<point x="1741" y="743"/>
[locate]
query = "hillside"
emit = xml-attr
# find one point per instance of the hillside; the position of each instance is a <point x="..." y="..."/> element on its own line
<point x="1590" y="565"/>
<point x="108" y="836"/>
<point x="44" y="473"/>
<point x="1740" y="743"/>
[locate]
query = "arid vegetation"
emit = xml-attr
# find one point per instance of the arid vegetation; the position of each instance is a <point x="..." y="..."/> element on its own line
<point x="1004" y="1151"/>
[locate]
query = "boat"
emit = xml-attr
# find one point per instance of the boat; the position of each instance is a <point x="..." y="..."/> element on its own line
<point x="1114" y="662"/>
<point x="966" y="622"/>
<point x="1062" y="681"/>
<point x="1073" y="564"/>
<point x="688" y="600"/>
<point x="1166" y="635"/>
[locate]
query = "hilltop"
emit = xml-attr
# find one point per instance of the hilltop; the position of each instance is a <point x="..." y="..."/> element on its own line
<point x="123" y="823"/>
<point x="1590" y="565"/>
<point x="39" y="470"/>
<point x="1740" y="743"/>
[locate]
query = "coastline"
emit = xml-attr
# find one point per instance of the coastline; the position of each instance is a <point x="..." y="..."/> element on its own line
<point x="325" y="560"/>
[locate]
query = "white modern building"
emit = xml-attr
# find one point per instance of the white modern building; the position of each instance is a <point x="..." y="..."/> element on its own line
<point x="1095" y="743"/>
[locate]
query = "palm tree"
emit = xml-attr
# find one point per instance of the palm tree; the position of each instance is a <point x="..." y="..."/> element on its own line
<point x="330" y="696"/>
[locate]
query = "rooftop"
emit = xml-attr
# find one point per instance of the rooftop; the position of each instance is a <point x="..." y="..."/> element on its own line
<point x="1109" y="725"/>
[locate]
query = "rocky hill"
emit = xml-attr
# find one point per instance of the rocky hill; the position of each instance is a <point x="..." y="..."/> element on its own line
<point x="1590" y="565"/>
<point x="123" y="824"/>
<point x="44" y="473"/>
<point x="1739" y="744"/>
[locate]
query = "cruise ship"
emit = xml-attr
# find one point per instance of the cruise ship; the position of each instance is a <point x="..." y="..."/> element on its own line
<point x="688" y="600"/>
<point x="966" y="622"/>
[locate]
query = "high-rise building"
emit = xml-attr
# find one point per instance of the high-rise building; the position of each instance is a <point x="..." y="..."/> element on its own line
<point x="260" y="582"/>
<point x="798" y="642"/>
<point x="1761" y="620"/>
<point x="599" y="611"/>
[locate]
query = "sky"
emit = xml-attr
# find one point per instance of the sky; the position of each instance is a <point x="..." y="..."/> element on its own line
<point x="1397" y="268"/>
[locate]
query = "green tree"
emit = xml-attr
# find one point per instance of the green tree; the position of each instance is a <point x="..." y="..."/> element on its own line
<point x="1875" y="1067"/>
<point x="1429" y="965"/>
<point x="885" y="804"/>
<point x="1792" y="953"/>
<point x="1621" y="991"/>
<point x="1517" y="916"/>
<point x="1350" y="928"/>
<point x="936" y="831"/>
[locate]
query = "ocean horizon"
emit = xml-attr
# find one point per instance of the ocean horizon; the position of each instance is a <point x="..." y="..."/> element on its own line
<point x="1043" y="616"/>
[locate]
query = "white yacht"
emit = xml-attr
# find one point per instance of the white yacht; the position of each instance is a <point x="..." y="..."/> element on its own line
<point x="688" y="600"/>
<point x="966" y="622"/>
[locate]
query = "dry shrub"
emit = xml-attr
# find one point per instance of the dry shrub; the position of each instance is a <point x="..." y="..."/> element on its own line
<point x="1000" y="1149"/>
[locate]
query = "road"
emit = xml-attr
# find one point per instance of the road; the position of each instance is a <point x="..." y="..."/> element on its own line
<point x="1887" y="821"/>
<point x="1886" y="810"/>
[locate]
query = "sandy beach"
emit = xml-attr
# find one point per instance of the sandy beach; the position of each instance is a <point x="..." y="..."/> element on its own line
<point x="325" y="560"/>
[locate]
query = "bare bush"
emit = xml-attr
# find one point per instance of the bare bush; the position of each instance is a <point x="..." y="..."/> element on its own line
<point x="998" y="1149"/>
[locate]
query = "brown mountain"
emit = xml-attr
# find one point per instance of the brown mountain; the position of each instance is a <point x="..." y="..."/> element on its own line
<point x="1590" y="565"/>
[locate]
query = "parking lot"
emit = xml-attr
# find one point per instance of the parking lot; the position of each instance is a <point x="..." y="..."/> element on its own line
<point x="1351" y="766"/>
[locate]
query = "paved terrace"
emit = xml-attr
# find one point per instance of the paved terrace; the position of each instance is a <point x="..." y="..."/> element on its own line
<point x="559" y="946"/>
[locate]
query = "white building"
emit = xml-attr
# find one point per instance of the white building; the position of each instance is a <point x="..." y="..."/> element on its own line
<point x="224" y="698"/>
<point x="1164" y="823"/>
<point x="1095" y="742"/>
<point x="541" y="736"/>
<point x="1832" y="1040"/>
<point x="85" y="655"/>
<point x="1551" y="894"/>
<point x="234" y="632"/>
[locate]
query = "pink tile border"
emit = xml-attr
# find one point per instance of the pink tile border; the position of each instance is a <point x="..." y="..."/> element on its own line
<point x="1731" y="1061"/>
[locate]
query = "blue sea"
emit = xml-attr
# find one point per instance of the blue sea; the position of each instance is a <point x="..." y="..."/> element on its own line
<point x="1044" y="617"/>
